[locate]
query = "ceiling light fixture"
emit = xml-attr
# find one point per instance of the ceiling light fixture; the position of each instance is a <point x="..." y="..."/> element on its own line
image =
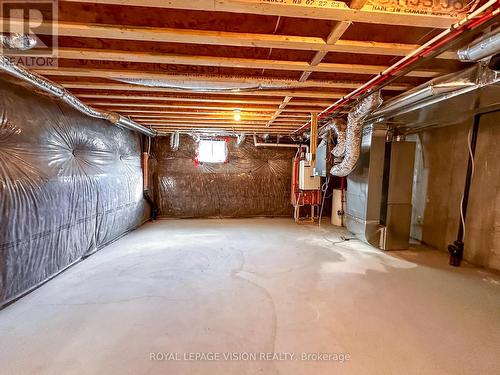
<point x="237" y="115"/>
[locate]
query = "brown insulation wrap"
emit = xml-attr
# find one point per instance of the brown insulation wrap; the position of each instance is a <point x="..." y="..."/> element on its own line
<point x="254" y="181"/>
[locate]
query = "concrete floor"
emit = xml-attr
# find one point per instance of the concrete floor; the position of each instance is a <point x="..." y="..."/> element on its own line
<point x="252" y="286"/>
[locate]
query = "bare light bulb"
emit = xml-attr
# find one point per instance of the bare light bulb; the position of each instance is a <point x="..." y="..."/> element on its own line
<point x="237" y="116"/>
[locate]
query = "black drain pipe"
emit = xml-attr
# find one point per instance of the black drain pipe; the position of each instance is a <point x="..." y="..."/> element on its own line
<point x="456" y="249"/>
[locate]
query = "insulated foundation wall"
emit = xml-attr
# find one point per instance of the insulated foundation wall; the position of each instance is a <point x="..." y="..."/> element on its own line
<point x="253" y="182"/>
<point x="445" y="155"/>
<point x="69" y="184"/>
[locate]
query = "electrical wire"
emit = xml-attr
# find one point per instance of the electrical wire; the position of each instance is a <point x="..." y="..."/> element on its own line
<point x="324" y="189"/>
<point x="342" y="239"/>
<point x="471" y="155"/>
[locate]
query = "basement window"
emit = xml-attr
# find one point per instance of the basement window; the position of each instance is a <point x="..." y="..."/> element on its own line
<point x="212" y="151"/>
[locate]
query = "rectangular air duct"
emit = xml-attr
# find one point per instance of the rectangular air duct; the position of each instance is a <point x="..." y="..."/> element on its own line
<point x="379" y="190"/>
<point x="364" y="186"/>
<point x="395" y="210"/>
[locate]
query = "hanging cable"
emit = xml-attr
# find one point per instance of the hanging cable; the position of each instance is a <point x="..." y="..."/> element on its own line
<point x="324" y="189"/>
<point x="471" y="155"/>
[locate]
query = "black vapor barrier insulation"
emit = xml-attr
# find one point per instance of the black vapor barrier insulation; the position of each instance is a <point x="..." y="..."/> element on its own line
<point x="253" y="182"/>
<point x="69" y="184"/>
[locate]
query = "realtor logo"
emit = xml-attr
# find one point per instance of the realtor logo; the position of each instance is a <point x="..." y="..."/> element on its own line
<point x="29" y="32"/>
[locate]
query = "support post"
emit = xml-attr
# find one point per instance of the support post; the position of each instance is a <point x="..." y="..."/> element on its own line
<point x="313" y="140"/>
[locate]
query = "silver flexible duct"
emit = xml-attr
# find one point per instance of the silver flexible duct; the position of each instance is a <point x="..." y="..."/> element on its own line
<point x="196" y="137"/>
<point x="338" y="126"/>
<point x="174" y="141"/>
<point x="19" y="42"/>
<point x="481" y="48"/>
<point x="240" y="139"/>
<point x="58" y="91"/>
<point x="355" y="121"/>
<point x="195" y="84"/>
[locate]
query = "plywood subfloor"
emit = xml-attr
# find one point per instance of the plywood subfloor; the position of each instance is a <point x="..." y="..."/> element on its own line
<point x="255" y="285"/>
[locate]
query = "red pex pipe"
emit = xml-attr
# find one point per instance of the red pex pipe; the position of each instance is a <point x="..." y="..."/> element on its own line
<point x="448" y="35"/>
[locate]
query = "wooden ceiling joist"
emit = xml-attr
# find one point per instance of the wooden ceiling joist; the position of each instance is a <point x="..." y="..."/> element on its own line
<point x="335" y="34"/>
<point x="182" y="111"/>
<point x="179" y="106"/>
<point x="189" y="106"/>
<point x="327" y="10"/>
<point x="224" y="38"/>
<point x="299" y="93"/>
<point x="244" y="63"/>
<point x="222" y="125"/>
<point x="195" y="79"/>
<point x="229" y="116"/>
<point x="280" y="109"/>
<point x="203" y="130"/>
<point x="227" y="123"/>
<point x="197" y="99"/>
<point x="263" y="120"/>
<point x="151" y="73"/>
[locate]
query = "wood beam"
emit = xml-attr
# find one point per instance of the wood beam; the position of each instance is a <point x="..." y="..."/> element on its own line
<point x="217" y="120"/>
<point x="182" y="111"/>
<point x="224" y="125"/>
<point x="279" y="110"/>
<point x="296" y="93"/>
<point x="332" y="38"/>
<point x="218" y="123"/>
<point x="245" y="63"/>
<point x="231" y="129"/>
<point x="170" y="35"/>
<point x="199" y="106"/>
<point x="204" y="115"/>
<point x="160" y="111"/>
<point x="211" y="116"/>
<point x="328" y="10"/>
<point x="197" y="99"/>
<point x="196" y="79"/>
<point x="178" y="105"/>
<point x="167" y="130"/>
<point x="335" y="34"/>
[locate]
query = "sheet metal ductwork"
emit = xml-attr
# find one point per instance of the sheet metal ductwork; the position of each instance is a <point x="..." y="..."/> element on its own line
<point x="60" y="92"/>
<point x="364" y="193"/>
<point x="19" y="42"/>
<point x="378" y="206"/>
<point x="438" y="89"/>
<point x="240" y="139"/>
<point x="174" y="141"/>
<point x="355" y="120"/>
<point x="481" y="48"/>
